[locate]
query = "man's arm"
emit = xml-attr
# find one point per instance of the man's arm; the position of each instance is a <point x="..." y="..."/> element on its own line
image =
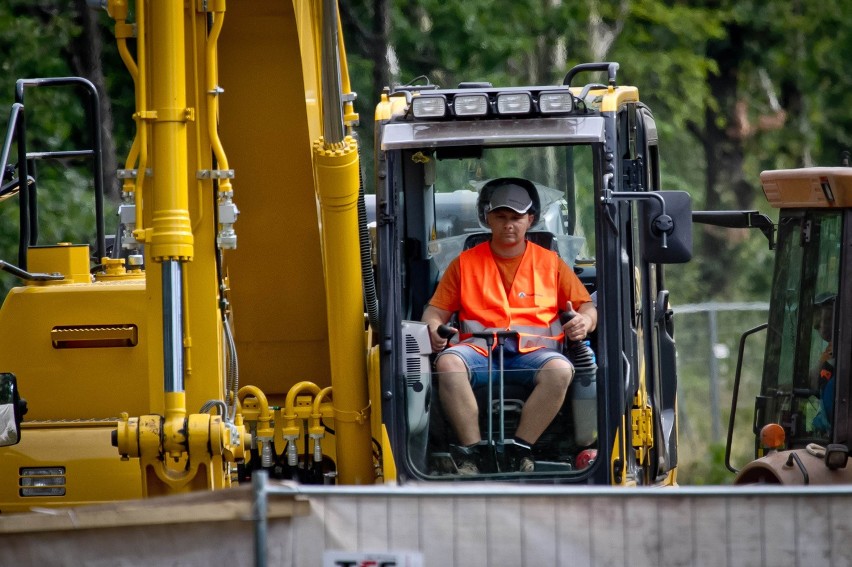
<point x="434" y="316"/>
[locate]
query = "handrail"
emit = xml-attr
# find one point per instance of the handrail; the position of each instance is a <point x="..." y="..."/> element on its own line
<point x="29" y="226"/>
<point x="735" y="395"/>
<point x="17" y="108"/>
<point x="16" y="112"/>
<point x="610" y="67"/>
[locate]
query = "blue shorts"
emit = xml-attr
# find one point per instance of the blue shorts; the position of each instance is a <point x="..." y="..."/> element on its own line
<point x="518" y="368"/>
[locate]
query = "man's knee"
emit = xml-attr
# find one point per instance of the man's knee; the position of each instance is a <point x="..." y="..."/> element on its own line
<point x="450" y="362"/>
<point x="556" y="373"/>
<point x="451" y="371"/>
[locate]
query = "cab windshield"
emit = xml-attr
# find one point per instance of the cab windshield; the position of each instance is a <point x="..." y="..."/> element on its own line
<point x="798" y="385"/>
<point x="562" y="175"/>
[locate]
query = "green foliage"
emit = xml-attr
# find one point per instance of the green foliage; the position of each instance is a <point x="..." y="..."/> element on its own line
<point x="37" y="40"/>
<point x="708" y="470"/>
<point x="663" y="48"/>
<point x="495" y="41"/>
<point x="33" y="39"/>
<point x="32" y="43"/>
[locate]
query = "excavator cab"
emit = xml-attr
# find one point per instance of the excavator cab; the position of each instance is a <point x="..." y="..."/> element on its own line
<point x="591" y="154"/>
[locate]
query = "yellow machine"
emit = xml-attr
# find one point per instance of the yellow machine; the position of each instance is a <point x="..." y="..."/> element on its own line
<point x="224" y="330"/>
<point x="142" y="354"/>
<point x="801" y="426"/>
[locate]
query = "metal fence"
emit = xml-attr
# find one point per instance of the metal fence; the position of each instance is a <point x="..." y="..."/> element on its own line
<point x="707" y="337"/>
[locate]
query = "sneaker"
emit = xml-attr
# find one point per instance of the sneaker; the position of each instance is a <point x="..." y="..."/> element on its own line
<point x="467" y="468"/>
<point x="526" y="464"/>
<point x="466" y="459"/>
<point x="519" y="458"/>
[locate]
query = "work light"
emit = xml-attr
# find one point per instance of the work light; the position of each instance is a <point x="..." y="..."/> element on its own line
<point x="471" y="104"/>
<point x="514" y="103"/>
<point x="429" y="106"/>
<point x="555" y="102"/>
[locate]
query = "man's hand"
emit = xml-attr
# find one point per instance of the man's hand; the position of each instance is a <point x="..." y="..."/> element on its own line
<point x="581" y="323"/>
<point x="440" y="336"/>
<point x="435" y="318"/>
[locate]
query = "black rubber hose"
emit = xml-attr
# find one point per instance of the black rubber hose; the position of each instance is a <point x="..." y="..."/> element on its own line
<point x="371" y="301"/>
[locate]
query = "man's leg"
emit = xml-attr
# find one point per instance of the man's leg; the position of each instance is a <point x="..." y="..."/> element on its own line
<point x="457" y="398"/>
<point x="551" y="385"/>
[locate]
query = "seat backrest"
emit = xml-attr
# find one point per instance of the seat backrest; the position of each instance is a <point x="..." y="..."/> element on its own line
<point x="475" y="239"/>
<point x="543" y="238"/>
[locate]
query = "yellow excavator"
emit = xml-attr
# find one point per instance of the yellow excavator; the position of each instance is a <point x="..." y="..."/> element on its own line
<point x="130" y="366"/>
<point x="254" y="310"/>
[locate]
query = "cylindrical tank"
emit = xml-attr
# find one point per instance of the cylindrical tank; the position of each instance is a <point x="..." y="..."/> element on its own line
<point x="584" y="393"/>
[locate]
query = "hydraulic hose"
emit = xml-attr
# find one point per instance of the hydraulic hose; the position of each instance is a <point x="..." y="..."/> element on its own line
<point x="233" y="378"/>
<point x="371" y="300"/>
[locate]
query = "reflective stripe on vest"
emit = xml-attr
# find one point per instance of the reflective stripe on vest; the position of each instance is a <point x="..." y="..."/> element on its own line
<point x="530" y="308"/>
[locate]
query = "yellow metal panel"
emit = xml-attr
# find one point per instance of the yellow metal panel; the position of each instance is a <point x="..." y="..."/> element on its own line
<point x="612" y="101"/>
<point x="276" y="272"/>
<point x="72" y="261"/>
<point x="93" y="470"/>
<point x="73" y="383"/>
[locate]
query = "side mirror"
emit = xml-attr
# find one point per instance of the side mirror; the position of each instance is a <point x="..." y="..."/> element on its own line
<point x="12" y="410"/>
<point x="667" y="227"/>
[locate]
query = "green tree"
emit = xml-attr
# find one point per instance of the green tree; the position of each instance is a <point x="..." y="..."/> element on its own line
<point x="58" y="39"/>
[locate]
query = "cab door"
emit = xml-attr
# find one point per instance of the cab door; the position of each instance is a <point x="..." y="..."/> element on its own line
<point x="620" y="332"/>
<point x="660" y="344"/>
<point x="805" y="352"/>
<point x="652" y="415"/>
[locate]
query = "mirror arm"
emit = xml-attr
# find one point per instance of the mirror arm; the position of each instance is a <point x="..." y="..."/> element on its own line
<point x="663" y="222"/>
<point x="738" y="219"/>
<point x="764" y="224"/>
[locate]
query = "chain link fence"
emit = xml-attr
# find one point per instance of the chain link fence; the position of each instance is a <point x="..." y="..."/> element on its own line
<point x="708" y="340"/>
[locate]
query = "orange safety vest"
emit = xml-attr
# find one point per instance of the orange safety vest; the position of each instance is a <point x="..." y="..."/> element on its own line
<point x="826" y="368"/>
<point x="530" y="308"/>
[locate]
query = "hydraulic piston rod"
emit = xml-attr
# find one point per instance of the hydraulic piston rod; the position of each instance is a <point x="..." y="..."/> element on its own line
<point x="172" y="327"/>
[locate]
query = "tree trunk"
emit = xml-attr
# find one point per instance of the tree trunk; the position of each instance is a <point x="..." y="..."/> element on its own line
<point x="379" y="52"/>
<point x="85" y="56"/>
<point x="724" y="129"/>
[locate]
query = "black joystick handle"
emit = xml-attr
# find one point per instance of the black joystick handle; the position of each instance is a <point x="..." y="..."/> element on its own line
<point x="445" y="331"/>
